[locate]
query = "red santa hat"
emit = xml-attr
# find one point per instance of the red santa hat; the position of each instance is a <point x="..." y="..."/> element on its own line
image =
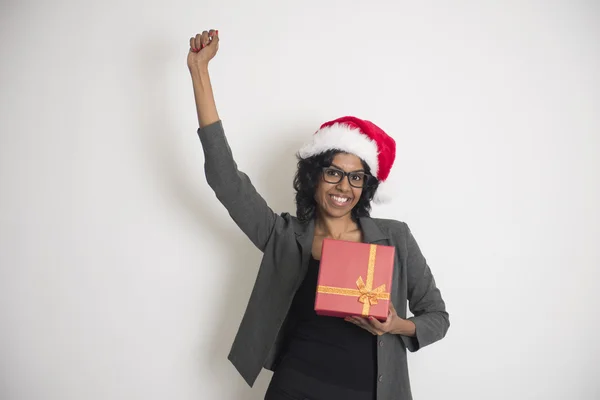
<point x="361" y="138"/>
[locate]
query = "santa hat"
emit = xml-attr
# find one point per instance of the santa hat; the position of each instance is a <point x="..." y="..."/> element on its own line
<point x="361" y="138"/>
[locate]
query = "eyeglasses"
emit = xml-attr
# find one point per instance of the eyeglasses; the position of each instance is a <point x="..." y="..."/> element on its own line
<point x="356" y="179"/>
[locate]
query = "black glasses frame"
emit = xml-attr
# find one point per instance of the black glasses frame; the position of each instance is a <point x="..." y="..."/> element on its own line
<point x="367" y="179"/>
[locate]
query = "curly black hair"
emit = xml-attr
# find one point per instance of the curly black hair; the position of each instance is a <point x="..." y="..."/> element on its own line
<point x="308" y="175"/>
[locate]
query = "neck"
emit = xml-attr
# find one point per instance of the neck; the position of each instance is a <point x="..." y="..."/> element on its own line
<point x="334" y="227"/>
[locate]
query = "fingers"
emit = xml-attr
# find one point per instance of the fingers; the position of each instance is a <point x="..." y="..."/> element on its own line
<point x="205" y="39"/>
<point x="201" y="40"/>
<point x="198" y="41"/>
<point x="372" y="324"/>
<point x="378" y="326"/>
<point x="392" y="309"/>
<point x="365" y="324"/>
<point x="214" y="37"/>
<point x="355" y="321"/>
<point x="193" y="45"/>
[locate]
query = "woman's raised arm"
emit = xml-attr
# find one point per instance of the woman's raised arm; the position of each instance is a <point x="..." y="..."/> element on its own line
<point x="232" y="187"/>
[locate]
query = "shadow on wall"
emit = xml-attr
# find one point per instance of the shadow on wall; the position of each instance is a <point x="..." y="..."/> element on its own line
<point x="242" y="264"/>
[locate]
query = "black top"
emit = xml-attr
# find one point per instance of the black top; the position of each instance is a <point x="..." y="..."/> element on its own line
<point x="329" y="348"/>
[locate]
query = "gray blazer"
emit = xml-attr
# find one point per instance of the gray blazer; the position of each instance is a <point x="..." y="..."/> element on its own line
<point x="286" y="245"/>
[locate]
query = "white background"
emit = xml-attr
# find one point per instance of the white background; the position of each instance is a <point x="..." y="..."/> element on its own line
<point x="122" y="277"/>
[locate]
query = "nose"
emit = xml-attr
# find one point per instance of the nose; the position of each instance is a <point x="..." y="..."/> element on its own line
<point x="344" y="185"/>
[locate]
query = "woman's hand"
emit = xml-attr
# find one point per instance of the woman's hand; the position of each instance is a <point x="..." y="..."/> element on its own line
<point x="203" y="47"/>
<point x="393" y="324"/>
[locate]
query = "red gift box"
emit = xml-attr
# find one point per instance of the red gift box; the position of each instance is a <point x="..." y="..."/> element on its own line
<point x="355" y="279"/>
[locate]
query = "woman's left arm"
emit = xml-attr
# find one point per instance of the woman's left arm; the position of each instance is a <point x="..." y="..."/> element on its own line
<point x="431" y="320"/>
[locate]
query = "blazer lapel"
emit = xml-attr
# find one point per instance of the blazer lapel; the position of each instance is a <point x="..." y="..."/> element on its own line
<point x="304" y="236"/>
<point x="371" y="232"/>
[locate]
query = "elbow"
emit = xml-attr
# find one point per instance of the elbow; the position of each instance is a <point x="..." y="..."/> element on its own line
<point x="439" y="324"/>
<point x="445" y="318"/>
<point x="223" y="185"/>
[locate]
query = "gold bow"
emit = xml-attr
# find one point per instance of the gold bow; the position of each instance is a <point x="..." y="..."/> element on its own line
<point x="370" y="296"/>
<point x="365" y="293"/>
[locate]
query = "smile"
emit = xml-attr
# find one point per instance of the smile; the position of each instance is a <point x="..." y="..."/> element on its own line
<point x="339" y="200"/>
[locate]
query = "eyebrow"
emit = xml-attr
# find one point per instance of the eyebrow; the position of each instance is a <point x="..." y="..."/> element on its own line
<point x="341" y="169"/>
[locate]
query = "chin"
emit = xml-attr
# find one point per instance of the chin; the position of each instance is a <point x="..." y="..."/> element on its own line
<point x="336" y="212"/>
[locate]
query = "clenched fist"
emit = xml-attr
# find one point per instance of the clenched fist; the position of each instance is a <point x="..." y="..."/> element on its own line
<point x="203" y="47"/>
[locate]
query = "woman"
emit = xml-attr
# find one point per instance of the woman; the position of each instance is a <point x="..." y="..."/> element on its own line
<point x="319" y="357"/>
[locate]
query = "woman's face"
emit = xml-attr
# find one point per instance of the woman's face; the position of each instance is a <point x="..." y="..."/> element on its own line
<point x="338" y="199"/>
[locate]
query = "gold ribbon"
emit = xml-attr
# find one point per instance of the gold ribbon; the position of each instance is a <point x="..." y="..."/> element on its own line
<point x="365" y="292"/>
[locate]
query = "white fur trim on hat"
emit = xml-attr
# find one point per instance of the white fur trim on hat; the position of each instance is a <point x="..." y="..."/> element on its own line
<point x="345" y="138"/>
<point x="382" y="194"/>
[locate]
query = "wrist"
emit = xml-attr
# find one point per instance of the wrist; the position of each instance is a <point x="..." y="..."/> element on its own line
<point x="404" y="327"/>
<point x="199" y="71"/>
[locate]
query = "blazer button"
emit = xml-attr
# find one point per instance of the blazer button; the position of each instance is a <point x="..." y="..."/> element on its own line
<point x="380" y="378"/>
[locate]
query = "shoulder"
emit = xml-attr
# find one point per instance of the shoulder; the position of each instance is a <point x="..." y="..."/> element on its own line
<point x="289" y="218"/>
<point x="398" y="232"/>
<point x="392" y="226"/>
<point x="291" y="223"/>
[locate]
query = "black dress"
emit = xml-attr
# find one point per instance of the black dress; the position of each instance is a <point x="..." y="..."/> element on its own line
<point x="325" y="357"/>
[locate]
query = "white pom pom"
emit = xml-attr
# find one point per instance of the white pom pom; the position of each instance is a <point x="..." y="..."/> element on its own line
<point x="382" y="194"/>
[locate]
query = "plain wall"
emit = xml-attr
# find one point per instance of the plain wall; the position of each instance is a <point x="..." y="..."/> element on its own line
<point x="122" y="276"/>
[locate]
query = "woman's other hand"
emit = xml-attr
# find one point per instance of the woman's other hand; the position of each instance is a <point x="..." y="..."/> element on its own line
<point x="393" y="324"/>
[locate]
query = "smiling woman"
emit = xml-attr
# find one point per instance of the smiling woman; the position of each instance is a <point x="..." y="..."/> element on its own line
<point x="340" y="172"/>
<point x="330" y="167"/>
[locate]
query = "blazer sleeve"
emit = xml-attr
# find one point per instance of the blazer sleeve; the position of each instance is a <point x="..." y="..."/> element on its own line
<point x="234" y="189"/>
<point x="424" y="299"/>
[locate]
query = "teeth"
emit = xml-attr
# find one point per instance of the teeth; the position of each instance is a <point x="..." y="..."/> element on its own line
<point x="340" y="199"/>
